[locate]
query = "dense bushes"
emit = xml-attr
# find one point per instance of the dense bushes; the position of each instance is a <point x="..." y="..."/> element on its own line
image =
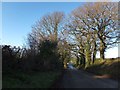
<point x="45" y="58"/>
<point x="49" y="56"/>
<point x="9" y="58"/>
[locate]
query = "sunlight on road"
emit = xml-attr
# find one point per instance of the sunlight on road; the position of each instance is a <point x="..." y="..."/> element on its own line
<point x="102" y="76"/>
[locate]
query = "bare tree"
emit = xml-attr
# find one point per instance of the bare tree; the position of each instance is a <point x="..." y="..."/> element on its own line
<point x="104" y="18"/>
<point x="49" y="26"/>
<point x="100" y="19"/>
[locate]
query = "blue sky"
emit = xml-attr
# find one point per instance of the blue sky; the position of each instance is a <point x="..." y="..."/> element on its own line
<point x="17" y="19"/>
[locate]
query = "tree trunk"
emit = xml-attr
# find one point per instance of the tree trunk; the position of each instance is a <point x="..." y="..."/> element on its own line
<point x="88" y="59"/>
<point x="82" y="58"/>
<point x="102" y="57"/>
<point x="88" y="55"/>
<point x="94" y="54"/>
<point x="94" y="57"/>
<point x="56" y="32"/>
<point x="102" y="50"/>
<point x="77" y="60"/>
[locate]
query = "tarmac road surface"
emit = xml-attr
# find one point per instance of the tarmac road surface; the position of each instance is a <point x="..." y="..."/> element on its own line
<point x="80" y="79"/>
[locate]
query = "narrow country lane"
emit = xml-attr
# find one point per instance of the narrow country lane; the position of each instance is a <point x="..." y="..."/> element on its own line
<point x="82" y="79"/>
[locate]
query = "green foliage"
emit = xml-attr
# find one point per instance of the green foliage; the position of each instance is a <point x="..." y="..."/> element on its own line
<point x="50" y="56"/>
<point x="26" y="71"/>
<point x="46" y="59"/>
<point x="47" y="48"/>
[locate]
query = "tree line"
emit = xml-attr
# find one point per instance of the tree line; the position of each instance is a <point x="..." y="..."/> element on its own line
<point x="54" y="38"/>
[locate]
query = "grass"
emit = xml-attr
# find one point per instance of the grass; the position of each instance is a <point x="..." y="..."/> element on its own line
<point x="109" y="67"/>
<point x="31" y="80"/>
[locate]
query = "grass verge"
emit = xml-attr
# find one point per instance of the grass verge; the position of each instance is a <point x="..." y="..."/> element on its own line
<point x="29" y="80"/>
<point x="107" y="67"/>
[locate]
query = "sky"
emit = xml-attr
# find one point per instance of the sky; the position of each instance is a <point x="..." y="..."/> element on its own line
<point x="60" y="0"/>
<point x="18" y="18"/>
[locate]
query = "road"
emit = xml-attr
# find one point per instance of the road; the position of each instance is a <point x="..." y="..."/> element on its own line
<point x="82" y="79"/>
